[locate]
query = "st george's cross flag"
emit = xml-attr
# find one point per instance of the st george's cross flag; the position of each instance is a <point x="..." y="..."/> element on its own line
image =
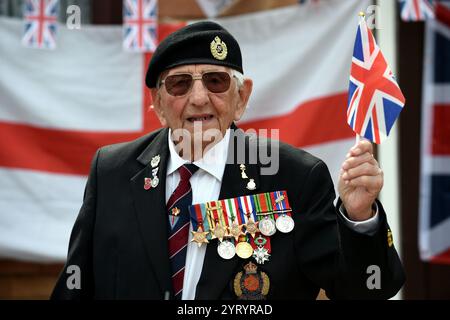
<point x="54" y="115"/>
<point x="40" y="18"/>
<point x="374" y="97"/>
<point x="140" y="25"/>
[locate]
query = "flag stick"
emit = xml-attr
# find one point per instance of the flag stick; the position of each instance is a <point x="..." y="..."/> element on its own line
<point x="361" y="17"/>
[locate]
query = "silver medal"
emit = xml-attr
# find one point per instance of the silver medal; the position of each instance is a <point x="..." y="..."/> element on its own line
<point x="226" y="249"/>
<point x="285" y="223"/>
<point x="267" y="227"/>
<point x="155" y="182"/>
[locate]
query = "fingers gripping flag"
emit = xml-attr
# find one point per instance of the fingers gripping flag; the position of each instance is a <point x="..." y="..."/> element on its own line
<point x="374" y="97"/>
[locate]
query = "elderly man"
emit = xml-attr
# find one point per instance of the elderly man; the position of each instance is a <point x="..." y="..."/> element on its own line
<point x="152" y="227"/>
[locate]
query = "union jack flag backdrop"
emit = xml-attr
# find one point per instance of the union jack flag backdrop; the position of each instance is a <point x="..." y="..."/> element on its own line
<point x="140" y="25"/>
<point x="374" y="97"/>
<point x="434" y="238"/>
<point x="40" y="18"/>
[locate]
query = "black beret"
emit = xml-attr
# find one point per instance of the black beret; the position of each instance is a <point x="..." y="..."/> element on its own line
<point x="203" y="42"/>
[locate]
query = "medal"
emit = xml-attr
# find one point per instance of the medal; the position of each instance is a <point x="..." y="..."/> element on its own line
<point x="251" y="227"/>
<point x="197" y="212"/>
<point x="154" y="163"/>
<point x="199" y="236"/>
<point x="216" y="219"/>
<point x="285" y="223"/>
<point x="267" y="226"/>
<point x="155" y="182"/>
<point x="219" y="232"/>
<point x="244" y="250"/>
<point x="236" y="230"/>
<point x="226" y="249"/>
<point x="261" y="254"/>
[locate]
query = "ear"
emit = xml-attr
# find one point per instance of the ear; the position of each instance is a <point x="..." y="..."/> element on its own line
<point x="244" y="95"/>
<point x="156" y="99"/>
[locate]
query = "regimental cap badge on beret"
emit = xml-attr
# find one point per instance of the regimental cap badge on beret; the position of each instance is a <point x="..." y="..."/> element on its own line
<point x="218" y="49"/>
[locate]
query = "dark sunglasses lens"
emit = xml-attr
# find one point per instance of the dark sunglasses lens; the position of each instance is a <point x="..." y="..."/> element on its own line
<point x="178" y="84"/>
<point x="216" y="82"/>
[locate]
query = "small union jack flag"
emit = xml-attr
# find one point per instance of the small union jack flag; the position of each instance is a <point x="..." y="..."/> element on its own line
<point x="140" y="33"/>
<point x="374" y="97"/>
<point x="40" y="18"/>
<point x="416" y="10"/>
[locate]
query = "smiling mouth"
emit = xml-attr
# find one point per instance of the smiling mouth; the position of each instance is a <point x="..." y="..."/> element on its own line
<point x="202" y="118"/>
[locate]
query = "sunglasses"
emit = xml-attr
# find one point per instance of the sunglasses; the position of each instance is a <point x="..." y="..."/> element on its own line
<point x="181" y="84"/>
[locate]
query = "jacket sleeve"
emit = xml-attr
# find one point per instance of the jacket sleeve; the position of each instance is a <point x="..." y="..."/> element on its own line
<point x="345" y="263"/>
<point x="76" y="280"/>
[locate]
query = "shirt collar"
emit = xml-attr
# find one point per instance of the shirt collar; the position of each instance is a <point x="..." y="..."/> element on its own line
<point x="213" y="161"/>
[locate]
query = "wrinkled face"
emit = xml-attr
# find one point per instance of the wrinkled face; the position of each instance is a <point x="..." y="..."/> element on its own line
<point x="199" y="105"/>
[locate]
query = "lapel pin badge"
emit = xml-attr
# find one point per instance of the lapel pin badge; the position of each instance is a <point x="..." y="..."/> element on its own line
<point x="155" y="161"/>
<point x="243" y="174"/>
<point x="147" y="183"/>
<point x="251" y="185"/>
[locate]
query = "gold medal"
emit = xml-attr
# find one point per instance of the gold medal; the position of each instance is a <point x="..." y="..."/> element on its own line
<point x="244" y="250"/>
<point x="200" y="236"/>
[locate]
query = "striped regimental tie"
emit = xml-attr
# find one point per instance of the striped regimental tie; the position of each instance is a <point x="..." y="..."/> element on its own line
<point x="179" y="221"/>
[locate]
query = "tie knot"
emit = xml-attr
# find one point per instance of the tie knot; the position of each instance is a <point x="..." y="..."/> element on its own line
<point x="186" y="171"/>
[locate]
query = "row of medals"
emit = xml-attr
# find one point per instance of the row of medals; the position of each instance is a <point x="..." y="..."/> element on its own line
<point x="266" y="226"/>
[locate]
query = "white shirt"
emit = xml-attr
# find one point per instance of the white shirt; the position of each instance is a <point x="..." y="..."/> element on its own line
<point x="206" y="183"/>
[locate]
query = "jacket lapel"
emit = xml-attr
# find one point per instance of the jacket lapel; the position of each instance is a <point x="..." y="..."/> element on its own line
<point x="218" y="273"/>
<point x="150" y="208"/>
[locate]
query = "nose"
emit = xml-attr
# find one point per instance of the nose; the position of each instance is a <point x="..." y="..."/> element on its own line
<point x="199" y="94"/>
